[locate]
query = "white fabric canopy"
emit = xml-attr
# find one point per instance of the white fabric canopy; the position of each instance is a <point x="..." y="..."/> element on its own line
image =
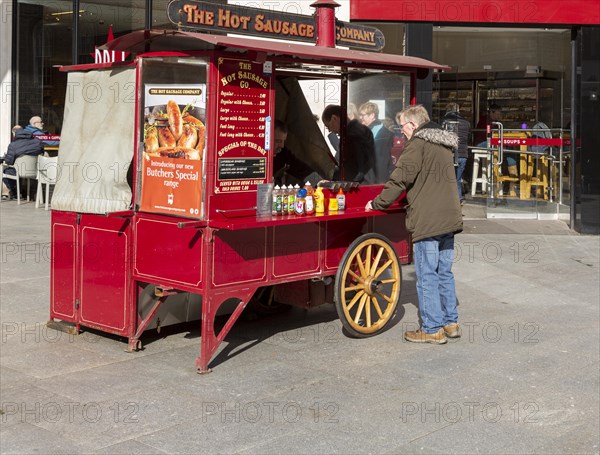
<point x="96" y="143"/>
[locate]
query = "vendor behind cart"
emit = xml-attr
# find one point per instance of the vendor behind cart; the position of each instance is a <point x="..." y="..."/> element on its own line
<point x="287" y="168"/>
<point x="359" y="155"/>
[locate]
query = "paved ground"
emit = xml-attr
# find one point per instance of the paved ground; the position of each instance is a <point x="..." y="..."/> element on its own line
<point x="524" y="378"/>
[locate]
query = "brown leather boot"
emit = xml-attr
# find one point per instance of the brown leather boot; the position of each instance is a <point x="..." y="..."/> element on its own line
<point x="452" y="330"/>
<point x="419" y="336"/>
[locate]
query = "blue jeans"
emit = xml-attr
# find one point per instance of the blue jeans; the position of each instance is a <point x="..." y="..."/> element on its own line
<point x="435" y="282"/>
<point x="460" y="169"/>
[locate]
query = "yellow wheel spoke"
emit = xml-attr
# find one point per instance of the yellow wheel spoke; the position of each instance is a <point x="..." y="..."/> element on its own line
<point x="382" y="268"/>
<point x="361" y="306"/>
<point x="377" y="308"/>
<point x="388" y="299"/>
<point x="368" y="308"/>
<point x="354" y="288"/>
<point x="354" y="300"/>
<point x="368" y="259"/>
<point x="355" y="276"/>
<point x="377" y="258"/>
<point x="361" y="266"/>
<point x="391" y="280"/>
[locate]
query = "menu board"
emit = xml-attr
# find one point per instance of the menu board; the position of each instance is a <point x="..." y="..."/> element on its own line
<point x="174" y="141"/>
<point x="244" y="124"/>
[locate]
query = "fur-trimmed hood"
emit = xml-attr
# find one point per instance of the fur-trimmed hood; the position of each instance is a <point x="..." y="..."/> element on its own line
<point x="432" y="132"/>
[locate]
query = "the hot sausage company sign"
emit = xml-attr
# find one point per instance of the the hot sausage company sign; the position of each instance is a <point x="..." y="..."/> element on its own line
<point x="244" y="124"/>
<point x="206" y="16"/>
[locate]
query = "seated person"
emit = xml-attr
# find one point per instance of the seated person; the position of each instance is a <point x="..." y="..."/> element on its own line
<point x="35" y="128"/>
<point x="359" y="154"/>
<point x="23" y="144"/>
<point x="287" y="168"/>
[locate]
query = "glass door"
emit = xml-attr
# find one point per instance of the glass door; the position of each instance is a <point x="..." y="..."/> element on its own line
<point x="525" y="173"/>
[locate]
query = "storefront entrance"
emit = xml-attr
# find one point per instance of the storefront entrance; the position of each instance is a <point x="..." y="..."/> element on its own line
<point x="528" y="171"/>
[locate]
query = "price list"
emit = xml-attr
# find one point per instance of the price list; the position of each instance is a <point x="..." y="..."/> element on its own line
<point x="243" y="125"/>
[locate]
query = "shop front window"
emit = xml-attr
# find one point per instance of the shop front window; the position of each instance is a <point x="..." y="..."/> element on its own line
<point x="42" y="43"/>
<point x="97" y="18"/>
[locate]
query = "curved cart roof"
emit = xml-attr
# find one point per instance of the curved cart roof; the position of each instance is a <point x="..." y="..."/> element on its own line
<point x="157" y="40"/>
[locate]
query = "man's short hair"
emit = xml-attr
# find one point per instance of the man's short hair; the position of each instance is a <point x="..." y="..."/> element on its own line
<point x="330" y="111"/>
<point x="369" y="108"/>
<point x="35" y="119"/>
<point x="494" y="107"/>
<point x="16" y="128"/>
<point x="416" y="114"/>
<point x="452" y="107"/>
<point x="279" y="125"/>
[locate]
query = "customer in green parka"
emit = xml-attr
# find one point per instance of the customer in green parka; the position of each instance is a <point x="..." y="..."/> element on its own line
<point x="425" y="170"/>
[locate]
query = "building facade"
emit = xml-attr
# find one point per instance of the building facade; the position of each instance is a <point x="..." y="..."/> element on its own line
<point x="535" y="61"/>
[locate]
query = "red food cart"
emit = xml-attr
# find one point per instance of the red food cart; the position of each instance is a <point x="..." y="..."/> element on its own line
<point x="163" y="158"/>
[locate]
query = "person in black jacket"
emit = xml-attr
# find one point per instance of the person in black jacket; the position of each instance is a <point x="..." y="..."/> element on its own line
<point x="23" y="144"/>
<point x="287" y="168"/>
<point x="359" y="154"/>
<point x="456" y="123"/>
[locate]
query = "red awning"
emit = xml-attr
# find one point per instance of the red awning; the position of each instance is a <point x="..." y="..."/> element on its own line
<point x="156" y="40"/>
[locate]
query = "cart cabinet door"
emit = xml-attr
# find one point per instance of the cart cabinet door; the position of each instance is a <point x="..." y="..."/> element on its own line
<point x="62" y="269"/>
<point x="104" y="257"/>
<point x="166" y="254"/>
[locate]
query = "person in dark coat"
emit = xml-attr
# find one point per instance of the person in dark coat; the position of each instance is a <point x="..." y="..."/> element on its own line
<point x="359" y="154"/>
<point x="23" y="144"/>
<point x="456" y="123"/>
<point x="384" y="140"/>
<point x="287" y="168"/>
<point x="425" y="171"/>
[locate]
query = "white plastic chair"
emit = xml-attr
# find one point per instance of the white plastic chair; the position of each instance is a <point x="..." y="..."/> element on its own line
<point x="47" y="173"/>
<point x="26" y="167"/>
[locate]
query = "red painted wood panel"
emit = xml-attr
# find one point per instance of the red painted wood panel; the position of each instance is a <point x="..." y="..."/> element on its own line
<point x="104" y="260"/>
<point x="165" y="252"/>
<point x="239" y="256"/>
<point x="296" y="250"/>
<point x="62" y="270"/>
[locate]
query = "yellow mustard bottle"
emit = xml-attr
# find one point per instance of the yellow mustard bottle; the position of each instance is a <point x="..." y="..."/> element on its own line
<point x="319" y="200"/>
<point x="333" y="204"/>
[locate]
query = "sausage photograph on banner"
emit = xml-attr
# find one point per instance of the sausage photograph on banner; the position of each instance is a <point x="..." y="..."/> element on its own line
<point x="174" y="142"/>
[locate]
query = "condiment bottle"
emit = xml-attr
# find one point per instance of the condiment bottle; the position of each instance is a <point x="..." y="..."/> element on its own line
<point x="299" y="208"/>
<point x="333" y="204"/>
<point x="310" y="200"/>
<point x="341" y="200"/>
<point x="275" y="195"/>
<point x="319" y="200"/>
<point x="284" y="200"/>
<point x="291" y="198"/>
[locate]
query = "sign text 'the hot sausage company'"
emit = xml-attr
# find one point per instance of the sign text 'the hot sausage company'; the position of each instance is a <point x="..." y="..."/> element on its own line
<point x="197" y="16"/>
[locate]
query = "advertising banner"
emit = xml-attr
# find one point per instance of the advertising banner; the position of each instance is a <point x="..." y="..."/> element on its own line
<point x="174" y="142"/>
<point x="534" y="12"/>
<point x="243" y="130"/>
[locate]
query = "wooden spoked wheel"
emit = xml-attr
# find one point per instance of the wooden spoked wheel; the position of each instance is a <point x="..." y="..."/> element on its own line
<point x="367" y="285"/>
